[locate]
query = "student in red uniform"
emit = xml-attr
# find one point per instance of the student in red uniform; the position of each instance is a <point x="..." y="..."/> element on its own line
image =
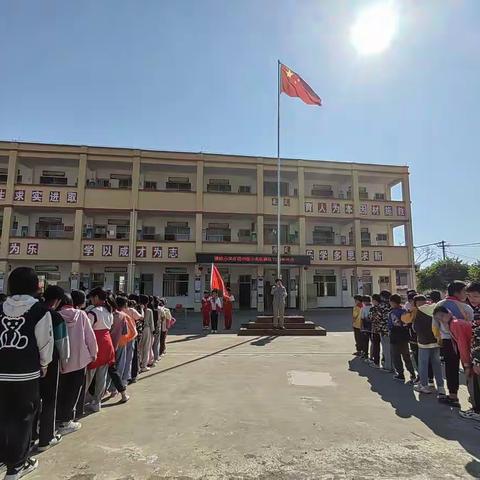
<point x="206" y="309"/>
<point x="216" y="308"/>
<point x="228" y="300"/>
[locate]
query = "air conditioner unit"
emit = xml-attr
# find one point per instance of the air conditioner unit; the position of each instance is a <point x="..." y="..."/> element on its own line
<point x="114" y="182"/>
<point x="379" y="196"/>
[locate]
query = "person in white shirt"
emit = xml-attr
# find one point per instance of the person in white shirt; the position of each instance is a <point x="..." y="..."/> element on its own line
<point x="216" y="305"/>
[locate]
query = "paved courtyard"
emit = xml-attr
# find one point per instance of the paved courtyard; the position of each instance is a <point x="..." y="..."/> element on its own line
<point x="228" y="407"/>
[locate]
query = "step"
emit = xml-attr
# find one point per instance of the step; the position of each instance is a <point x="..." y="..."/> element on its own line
<point x="317" y="331"/>
<point x="269" y="320"/>
<point x="256" y="326"/>
<point x="270" y="317"/>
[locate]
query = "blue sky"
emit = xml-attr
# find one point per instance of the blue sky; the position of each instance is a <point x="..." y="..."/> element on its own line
<point x="201" y="75"/>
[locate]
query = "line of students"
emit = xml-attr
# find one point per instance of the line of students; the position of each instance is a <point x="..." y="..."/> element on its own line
<point x="212" y="306"/>
<point x="421" y="334"/>
<point x="60" y="359"/>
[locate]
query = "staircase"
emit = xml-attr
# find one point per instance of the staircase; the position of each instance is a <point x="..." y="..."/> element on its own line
<point x="295" y="325"/>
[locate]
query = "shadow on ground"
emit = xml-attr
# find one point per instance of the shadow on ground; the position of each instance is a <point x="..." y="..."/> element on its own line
<point x="444" y="421"/>
<point x="333" y="319"/>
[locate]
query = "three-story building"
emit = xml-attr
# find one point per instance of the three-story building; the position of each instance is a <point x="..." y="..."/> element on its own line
<point x="153" y="222"/>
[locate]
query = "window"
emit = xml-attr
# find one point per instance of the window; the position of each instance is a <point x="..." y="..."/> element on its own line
<point x="50" y="227"/>
<point x="322" y="191"/>
<point x="244" y="189"/>
<point x="218" y="232"/>
<point x="3" y="175"/>
<point x="379" y="196"/>
<point x="270" y="234"/>
<point x="149" y="185"/>
<point x="175" y="282"/>
<point x="148" y="233"/>
<point x="244" y="235"/>
<point x="402" y="278"/>
<point x="382" y="237"/>
<point x="219" y="185"/>
<point x="365" y="237"/>
<point x="177" y="231"/>
<point x="270" y="189"/>
<point x="323" y="236"/>
<point x="120" y="180"/>
<point x="362" y="192"/>
<point x="178" y="183"/>
<point x="367" y="283"/>
<point x="326" y="284"/>
<point x="50" y="177"/>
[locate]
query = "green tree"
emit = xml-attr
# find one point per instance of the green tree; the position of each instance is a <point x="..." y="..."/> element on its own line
<point x="474" y="271"/>
<point x="440" y="273"/>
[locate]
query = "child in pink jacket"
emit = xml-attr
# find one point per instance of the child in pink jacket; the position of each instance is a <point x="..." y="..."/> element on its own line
<point x="83" y="350"/>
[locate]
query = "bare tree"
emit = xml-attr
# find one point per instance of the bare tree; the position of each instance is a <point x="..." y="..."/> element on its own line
<point x="424" y="255"/>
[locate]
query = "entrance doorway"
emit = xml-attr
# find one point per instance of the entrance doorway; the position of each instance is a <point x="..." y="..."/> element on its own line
<point x="244" y="286"/>
<point x="146" y="283"/>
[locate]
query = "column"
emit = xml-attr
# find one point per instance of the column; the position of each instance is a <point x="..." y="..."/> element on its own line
<point x="260" y="241"/>
<point x="75" y="276"/>
<point x="199" y="205"/>
<point x="260" y="288"/>
<point x="12" y="175"/>
<point x="301" y="212"/>
<point x="3" y="276"/>
<point x="409" y="229"/>
<point x="6" y="227"/>
<point x="393" y="280"/>
<point x="260" y="238"/>
<point x="357" y="237"/>
<point x="77" y="235"/>
<point x="132" y="244"/>
<point x="303" y="289"/>
<point x="82" y="177"/>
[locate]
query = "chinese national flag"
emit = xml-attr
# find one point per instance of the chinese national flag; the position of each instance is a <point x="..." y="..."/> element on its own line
<point x="216" y="280"/>
<point x="294" y="86"/>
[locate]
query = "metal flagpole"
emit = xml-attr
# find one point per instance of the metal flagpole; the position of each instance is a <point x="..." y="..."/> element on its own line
<point x="278" y="171"/>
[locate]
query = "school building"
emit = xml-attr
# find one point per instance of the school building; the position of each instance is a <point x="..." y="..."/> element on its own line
<point x="154" y="221"/>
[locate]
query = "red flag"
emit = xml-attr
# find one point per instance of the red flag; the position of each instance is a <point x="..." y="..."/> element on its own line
<point x="294" y="86"/>
<point x="216" y="280"/>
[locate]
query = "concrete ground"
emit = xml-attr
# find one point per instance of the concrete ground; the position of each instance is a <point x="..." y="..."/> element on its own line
<point x="228" y="407"/>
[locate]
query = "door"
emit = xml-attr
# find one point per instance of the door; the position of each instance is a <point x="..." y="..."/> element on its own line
<point x="146" y="283"/>
<point x="244" y="287"/>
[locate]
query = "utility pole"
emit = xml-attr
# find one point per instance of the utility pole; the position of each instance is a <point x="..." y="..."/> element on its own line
<point x="442" y="244"/>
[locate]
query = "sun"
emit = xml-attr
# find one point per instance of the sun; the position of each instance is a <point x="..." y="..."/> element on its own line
<point x="374" y="28"/>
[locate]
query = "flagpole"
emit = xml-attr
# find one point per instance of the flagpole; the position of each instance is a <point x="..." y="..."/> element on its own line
<point x="278" y="170"/>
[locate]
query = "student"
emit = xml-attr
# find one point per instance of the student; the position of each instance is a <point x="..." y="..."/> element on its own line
<point x="384" y="312"/>
<point x="166" y="321"/>
<point x="145" y="354"/>
<point x="20" y="368"/>
<point x="228" y="300"/>
<point x="154" y="305"/>
<point x="215" y="309"/>
<point x="410" y="296"/>
<point x="47" y="437"/>
<point x="460" y="331"/>
<point x="83" y="350"/>
<point x="399" y="340"/>
<point x="454" y="303"/>
<point x="126" y="341"/>
<point x="134" y="311"/>
<point x="435" y="296"/>
<point x="374" y="316"/>
<point x="101" y="319"/>
<point x="357" y="324"/>
<point x="119" y="328"/>
<point x="418" y="301"/>
<point x="473" y="380"/>
<point x="279" y="293"/>
<point x="366" y="327"/>
<point x="428" y="348"/>
<point x="206" y="309"/>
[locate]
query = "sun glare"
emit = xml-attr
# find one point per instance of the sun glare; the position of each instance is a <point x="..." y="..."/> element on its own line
<point x="374" y="28"/>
